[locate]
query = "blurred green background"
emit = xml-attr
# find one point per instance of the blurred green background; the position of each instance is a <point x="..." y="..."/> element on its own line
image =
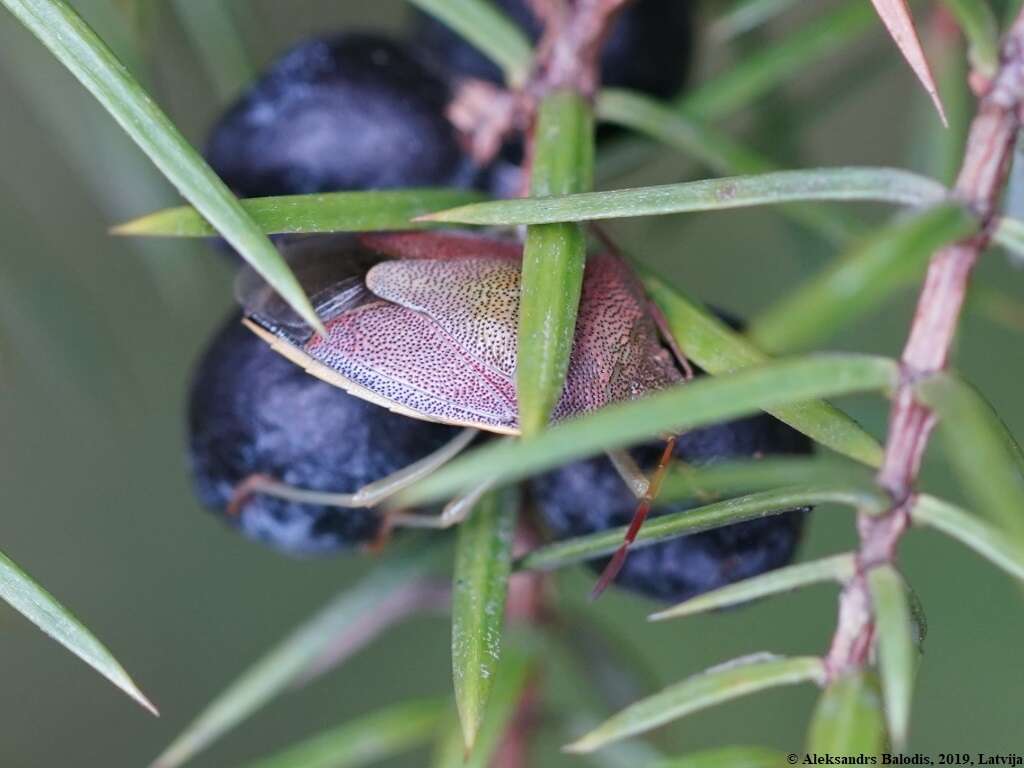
<point x="98" y="335"/>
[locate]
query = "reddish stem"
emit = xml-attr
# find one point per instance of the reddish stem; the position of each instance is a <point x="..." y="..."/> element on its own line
<point x="569" y="51"/>
<point x="983" y="173"/>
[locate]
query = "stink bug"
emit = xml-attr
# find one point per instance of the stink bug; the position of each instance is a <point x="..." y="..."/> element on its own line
<point x="430" y="332"/>
<point x="424" y="324"/>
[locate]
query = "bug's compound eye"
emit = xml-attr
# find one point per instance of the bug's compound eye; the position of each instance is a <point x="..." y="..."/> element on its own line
<point x="590" y="496"/>
<point x="354" y="112"/>
<point x="255" y="415"/>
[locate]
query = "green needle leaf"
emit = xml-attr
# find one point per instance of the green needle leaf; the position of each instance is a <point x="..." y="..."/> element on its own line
<point x="1010" y="234"/>
<point x="995" y="305"/>
<point x="38" y="606"/>
<point x="88" y="58"/>
<point x="838" y="568"/>
<point x="213" y="32"/>
<point x="711" y="147"/>
<point x="483" y="562"/>
<point x="728" y="757"/>
<point x="700" y="141"/>
<point x="302" y="214"/>
<point x="664" y="527"/>
<point x="981" y="29"/>
<point x="715" y="686"/>
<point x="718" y="349"/>
<point x="889" y="185"/>
<point x="938" y="149"/>
<point x="754" y="76"/>
<point x="795" y="53"/>
<point x="746" y="15"/>
<point x="859" y="281"/>
<point x="389" y="592"/>
<point x="366" y="740"/>
<point x="981" y="449"/>
<point x="987" y="541"/>
<point x="897" y="655"/>
<point x="895" y="14"/>
<point x="746" y="476"/>
<point x="449" y="750"/>
<point x="676" y="409"/>
<point x="603" y="662"/>
<point x="849" y="718"/>
<point x="510" y="686"/>
<point x="553" y="259"/>
<point x="486" y="28"/>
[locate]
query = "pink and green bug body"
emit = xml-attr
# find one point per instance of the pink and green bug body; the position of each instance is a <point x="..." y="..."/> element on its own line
<point x="430" y="332"/>
<point x="425" y="325"/>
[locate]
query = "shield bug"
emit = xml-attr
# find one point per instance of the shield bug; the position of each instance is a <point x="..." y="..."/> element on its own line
<point x="430" y="332"/>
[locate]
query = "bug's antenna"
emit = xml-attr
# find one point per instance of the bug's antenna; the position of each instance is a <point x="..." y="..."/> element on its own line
<point x="643" y="508"/>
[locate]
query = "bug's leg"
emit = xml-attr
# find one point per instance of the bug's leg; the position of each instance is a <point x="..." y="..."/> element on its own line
<point x="619" y="558"/>
<point x="454" y="512"/>
<point x="369" y="495"/>
<point x="630" y="472"/>
<point x="374" y="493"/>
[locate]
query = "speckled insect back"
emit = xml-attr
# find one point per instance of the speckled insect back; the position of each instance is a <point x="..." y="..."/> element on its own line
<point x="353" y="112"/>
<point x="433" y="335"/>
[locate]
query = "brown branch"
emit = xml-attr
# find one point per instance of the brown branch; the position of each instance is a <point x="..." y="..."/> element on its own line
<point x="982" y="176"/>
<point x="568" y="55"/>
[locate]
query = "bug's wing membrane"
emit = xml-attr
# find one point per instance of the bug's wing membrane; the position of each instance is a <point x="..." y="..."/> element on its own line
<point x="406" y="360"/>
<point x="474" y="301"/>
<point x="617" y="353"/>
<point x="331" y="271"/>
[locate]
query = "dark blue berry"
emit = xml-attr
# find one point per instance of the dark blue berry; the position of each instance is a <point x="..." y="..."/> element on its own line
<point x="648" y="49"/>
<point x="589" y="496"/>
<point x="355" y="112"/>
<point x="251" y="411"/>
